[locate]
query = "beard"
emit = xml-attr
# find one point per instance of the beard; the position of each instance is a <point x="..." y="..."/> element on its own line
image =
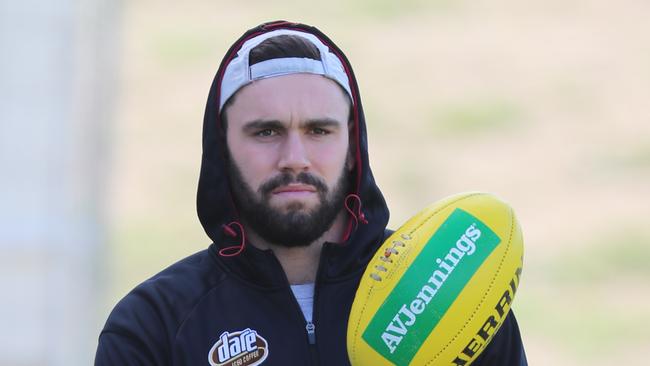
<point x="294" y="225"/>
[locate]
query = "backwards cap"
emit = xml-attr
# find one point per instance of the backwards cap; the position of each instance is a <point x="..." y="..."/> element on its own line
<point x="239" y="73"/>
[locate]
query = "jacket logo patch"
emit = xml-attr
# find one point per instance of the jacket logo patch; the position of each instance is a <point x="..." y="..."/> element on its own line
<point x="241" y="348"/>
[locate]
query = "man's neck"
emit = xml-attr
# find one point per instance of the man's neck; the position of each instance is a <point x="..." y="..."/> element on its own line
<point x="300" y="264"/>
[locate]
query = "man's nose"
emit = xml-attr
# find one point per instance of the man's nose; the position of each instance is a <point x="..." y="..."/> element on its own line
<point x="293" y="155"/>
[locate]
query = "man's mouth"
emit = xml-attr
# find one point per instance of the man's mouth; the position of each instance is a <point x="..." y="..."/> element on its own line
<point x="294" y="188"/>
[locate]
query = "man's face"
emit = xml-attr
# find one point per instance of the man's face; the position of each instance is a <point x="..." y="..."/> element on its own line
<point x="288" y="142"/>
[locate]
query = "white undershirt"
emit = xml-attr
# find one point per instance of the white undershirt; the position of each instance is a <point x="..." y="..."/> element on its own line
<point x="305" y="296"/>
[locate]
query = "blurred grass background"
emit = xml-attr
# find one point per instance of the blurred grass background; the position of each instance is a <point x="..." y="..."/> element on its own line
<point x="544" y="103"/>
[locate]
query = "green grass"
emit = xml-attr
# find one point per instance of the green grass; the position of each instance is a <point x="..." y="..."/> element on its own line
<point x="181" y="48"/>
<point x="634" y="158"/>
<point x="582" y="325"/>
<point x="390" y="9"/>
<point x="579" y="299"/>
<point x="610" y="257"/>
<point x="475" y="118"/>
<point x="144" y="247"/>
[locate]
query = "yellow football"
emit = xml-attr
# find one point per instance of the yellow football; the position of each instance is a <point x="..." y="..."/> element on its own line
<point x="439" y="288"/>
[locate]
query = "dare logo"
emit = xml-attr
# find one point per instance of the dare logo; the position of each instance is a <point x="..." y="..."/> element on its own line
<point x="241" y="348"/>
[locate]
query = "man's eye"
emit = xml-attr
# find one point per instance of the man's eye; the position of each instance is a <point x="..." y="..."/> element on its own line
<point x="319" y="131"/>
<point x="266" y="133"/>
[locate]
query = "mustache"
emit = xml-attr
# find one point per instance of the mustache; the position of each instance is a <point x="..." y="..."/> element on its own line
<point x="284" y="179"/>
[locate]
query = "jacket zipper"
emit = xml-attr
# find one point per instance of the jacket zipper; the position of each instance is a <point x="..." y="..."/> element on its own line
<point x="310" y="327"/>
<point x="311" y="332"/>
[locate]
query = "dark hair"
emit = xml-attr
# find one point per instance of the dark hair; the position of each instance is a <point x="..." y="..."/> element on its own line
<point x="286" y="45"/>
<point x="283" y="46"/>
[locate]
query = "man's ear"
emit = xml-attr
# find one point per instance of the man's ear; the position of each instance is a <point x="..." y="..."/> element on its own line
<point x="349" y="163"/>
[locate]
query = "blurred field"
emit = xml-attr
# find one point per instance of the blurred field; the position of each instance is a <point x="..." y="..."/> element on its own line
<point x="544" y="103"/>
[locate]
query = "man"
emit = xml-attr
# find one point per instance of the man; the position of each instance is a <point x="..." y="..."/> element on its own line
<point x="288" y="198"/>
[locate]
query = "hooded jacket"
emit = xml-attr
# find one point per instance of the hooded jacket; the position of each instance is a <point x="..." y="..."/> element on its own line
<point x="215" y="306"/>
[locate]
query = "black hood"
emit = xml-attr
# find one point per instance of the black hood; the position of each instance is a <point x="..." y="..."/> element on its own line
<point x="215" y="205"/>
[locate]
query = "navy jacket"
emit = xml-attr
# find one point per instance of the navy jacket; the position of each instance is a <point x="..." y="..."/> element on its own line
<point x="208" y="308"/>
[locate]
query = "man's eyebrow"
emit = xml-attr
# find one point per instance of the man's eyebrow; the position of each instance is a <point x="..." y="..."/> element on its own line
<point x="261" y="124"/>
<point x="322" y="122"/>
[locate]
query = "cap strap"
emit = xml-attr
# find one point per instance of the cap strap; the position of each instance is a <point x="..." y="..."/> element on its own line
<point x="285" y="66"/>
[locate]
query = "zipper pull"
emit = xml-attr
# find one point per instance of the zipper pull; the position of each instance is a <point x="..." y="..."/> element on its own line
<point x="311" y="332"/>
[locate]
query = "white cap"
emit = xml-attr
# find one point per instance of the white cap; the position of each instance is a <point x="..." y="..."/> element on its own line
<point x="239" y="73"/>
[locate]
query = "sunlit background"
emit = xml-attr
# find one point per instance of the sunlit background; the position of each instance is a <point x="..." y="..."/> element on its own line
<point x="544" y="103"/>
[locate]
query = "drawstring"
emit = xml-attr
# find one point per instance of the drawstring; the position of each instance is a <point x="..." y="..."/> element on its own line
<point x="235" y="249"/>
<point x="357" y="216"/>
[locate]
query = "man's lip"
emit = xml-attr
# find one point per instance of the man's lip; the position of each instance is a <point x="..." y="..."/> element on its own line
<point x="294" y="188"/>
